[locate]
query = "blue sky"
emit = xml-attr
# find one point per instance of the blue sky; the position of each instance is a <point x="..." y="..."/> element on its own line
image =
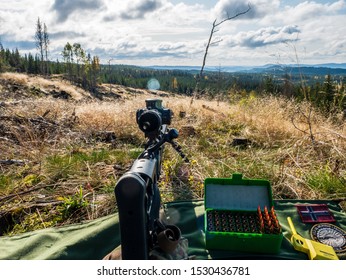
<point x="175" y="32"/>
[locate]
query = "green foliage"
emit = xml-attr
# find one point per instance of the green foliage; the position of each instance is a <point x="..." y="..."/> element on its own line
<point x="5" y="182"/>
<point x="325" y="92"/>
<point x="79" y="163"/>
<point x="80" y="67"/>
<point x="73" y="163"/>
<point x="18" y="177"/>
<point x="72" y="205"/>
<point x="269" y="86"/>
<point x="134" y="153"/>
<point x="33" y="221"/>
<point x="31" y="180"/>
<point x="247" y="100"/>
<point x="326" y="181"/>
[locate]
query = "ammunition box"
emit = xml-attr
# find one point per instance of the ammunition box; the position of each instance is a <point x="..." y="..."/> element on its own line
<point x="240" y="215"/>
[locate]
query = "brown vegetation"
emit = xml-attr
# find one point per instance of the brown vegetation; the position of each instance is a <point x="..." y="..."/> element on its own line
<point x="61" y="154"/>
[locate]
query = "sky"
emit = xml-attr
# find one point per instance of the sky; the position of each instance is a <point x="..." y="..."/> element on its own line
<point x="175" y="32"/>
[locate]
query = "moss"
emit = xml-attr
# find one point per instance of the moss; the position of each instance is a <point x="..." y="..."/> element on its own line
<point x="5" y="182"/>
<point x="31" y="180"/>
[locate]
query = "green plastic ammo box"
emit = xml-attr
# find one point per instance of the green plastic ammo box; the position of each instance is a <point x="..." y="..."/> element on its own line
<point x="232" y="218"/>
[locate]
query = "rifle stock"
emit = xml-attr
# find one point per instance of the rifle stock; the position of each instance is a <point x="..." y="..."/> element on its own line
<point x="130" y="195"/>
<point x="138" y="205"/>
<point x="137" y="193"/>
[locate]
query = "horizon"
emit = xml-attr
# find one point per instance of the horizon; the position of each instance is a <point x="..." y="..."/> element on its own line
<point x="247" y="66"/>
<point x="175" y="32"/>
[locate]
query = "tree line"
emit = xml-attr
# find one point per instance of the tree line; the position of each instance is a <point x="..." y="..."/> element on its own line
<point x="325" y="92"/>
<point x="77" y="65"/>
<point x="81" y="68"/>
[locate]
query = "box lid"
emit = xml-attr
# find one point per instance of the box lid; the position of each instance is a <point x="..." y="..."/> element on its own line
<point x="237" y="193"/>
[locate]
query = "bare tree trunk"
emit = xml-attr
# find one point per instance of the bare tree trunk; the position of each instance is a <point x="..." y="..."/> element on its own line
<point x="212" y="32"/>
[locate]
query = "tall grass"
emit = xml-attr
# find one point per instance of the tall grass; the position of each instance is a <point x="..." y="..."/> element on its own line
<point x="67" y="161"/>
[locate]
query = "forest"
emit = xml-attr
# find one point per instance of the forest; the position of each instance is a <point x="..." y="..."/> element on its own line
<point x="326" y="92"/>
<point x="324" y="89"/>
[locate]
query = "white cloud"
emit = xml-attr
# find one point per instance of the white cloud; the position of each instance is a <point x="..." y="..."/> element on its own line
<point x="133" y="10"/>
<point x="138" y="9"/>
<point x="259" y="8"/>
<point x="310" y="10"/>
<point x="64" y="8"/>
<point x="263" y="37"/>
<point x="160" y="32"/>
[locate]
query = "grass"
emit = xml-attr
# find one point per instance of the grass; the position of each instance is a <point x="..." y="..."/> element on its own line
<point x="325" y="180"/>
<point x="69" y="173"/>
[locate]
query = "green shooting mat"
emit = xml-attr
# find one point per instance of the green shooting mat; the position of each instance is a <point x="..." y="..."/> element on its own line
<point x="94" y="239"/>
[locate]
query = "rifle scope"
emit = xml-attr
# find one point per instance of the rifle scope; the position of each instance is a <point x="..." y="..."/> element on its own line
<point x="151" y="118"/>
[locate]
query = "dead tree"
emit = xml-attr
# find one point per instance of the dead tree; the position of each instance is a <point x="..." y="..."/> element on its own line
<point x="213" y="30"/>
<point x="39" y="37"/>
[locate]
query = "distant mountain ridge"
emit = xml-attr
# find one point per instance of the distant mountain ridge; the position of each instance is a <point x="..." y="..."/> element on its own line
<point x="295" y="70"/>
<point x="310" y="69"/>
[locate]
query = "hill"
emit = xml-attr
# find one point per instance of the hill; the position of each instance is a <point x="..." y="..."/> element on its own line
<point x="305" y="69"/>
<point x="298" y="70"/>
<point x="63" y="149"/>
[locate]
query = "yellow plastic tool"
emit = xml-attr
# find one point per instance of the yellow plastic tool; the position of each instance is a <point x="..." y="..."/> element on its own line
<point x="314" y="250"/>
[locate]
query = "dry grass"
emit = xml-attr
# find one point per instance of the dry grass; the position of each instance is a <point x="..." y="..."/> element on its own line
<point x="297" y="167"/>
<point x="21" y="79"/>
<point x="45" y="85"/>
<point x="65" y="163"/>
<point x="57" y="84"/>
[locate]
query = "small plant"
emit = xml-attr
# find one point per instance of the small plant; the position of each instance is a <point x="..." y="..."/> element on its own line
<point x="30" y="180"/>
<point x="325" y="181"/>
<point x="5" y="181"/>
<point x="33" y="221"/>
<point x="73" y="204"/>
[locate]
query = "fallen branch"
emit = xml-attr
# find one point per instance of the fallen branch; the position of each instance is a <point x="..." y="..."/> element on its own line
<point x="212" y="110"/>
<point x="6" y="139"/>
<point x="7" y="197"/>
<point x="12" y="161"/>
<point x="21" y="120"/>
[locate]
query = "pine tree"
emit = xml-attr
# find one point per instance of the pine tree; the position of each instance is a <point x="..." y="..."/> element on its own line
<point x="2" y="58"/>
<point x="95" y="69"/>
<point x="269" y="86"/>
<point x="328" y="92"/>
<point x="17" y="60"/>
<point x="57" y="69"/>
<point x="67" y="55"/>
<point x="79" y="54"/>
<point x="31" y="64"/>
<point x="37" y="64"/>
<point x="39" y="37"/>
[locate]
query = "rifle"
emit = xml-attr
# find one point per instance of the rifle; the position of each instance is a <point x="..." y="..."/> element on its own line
<point x="137" y="193"/>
